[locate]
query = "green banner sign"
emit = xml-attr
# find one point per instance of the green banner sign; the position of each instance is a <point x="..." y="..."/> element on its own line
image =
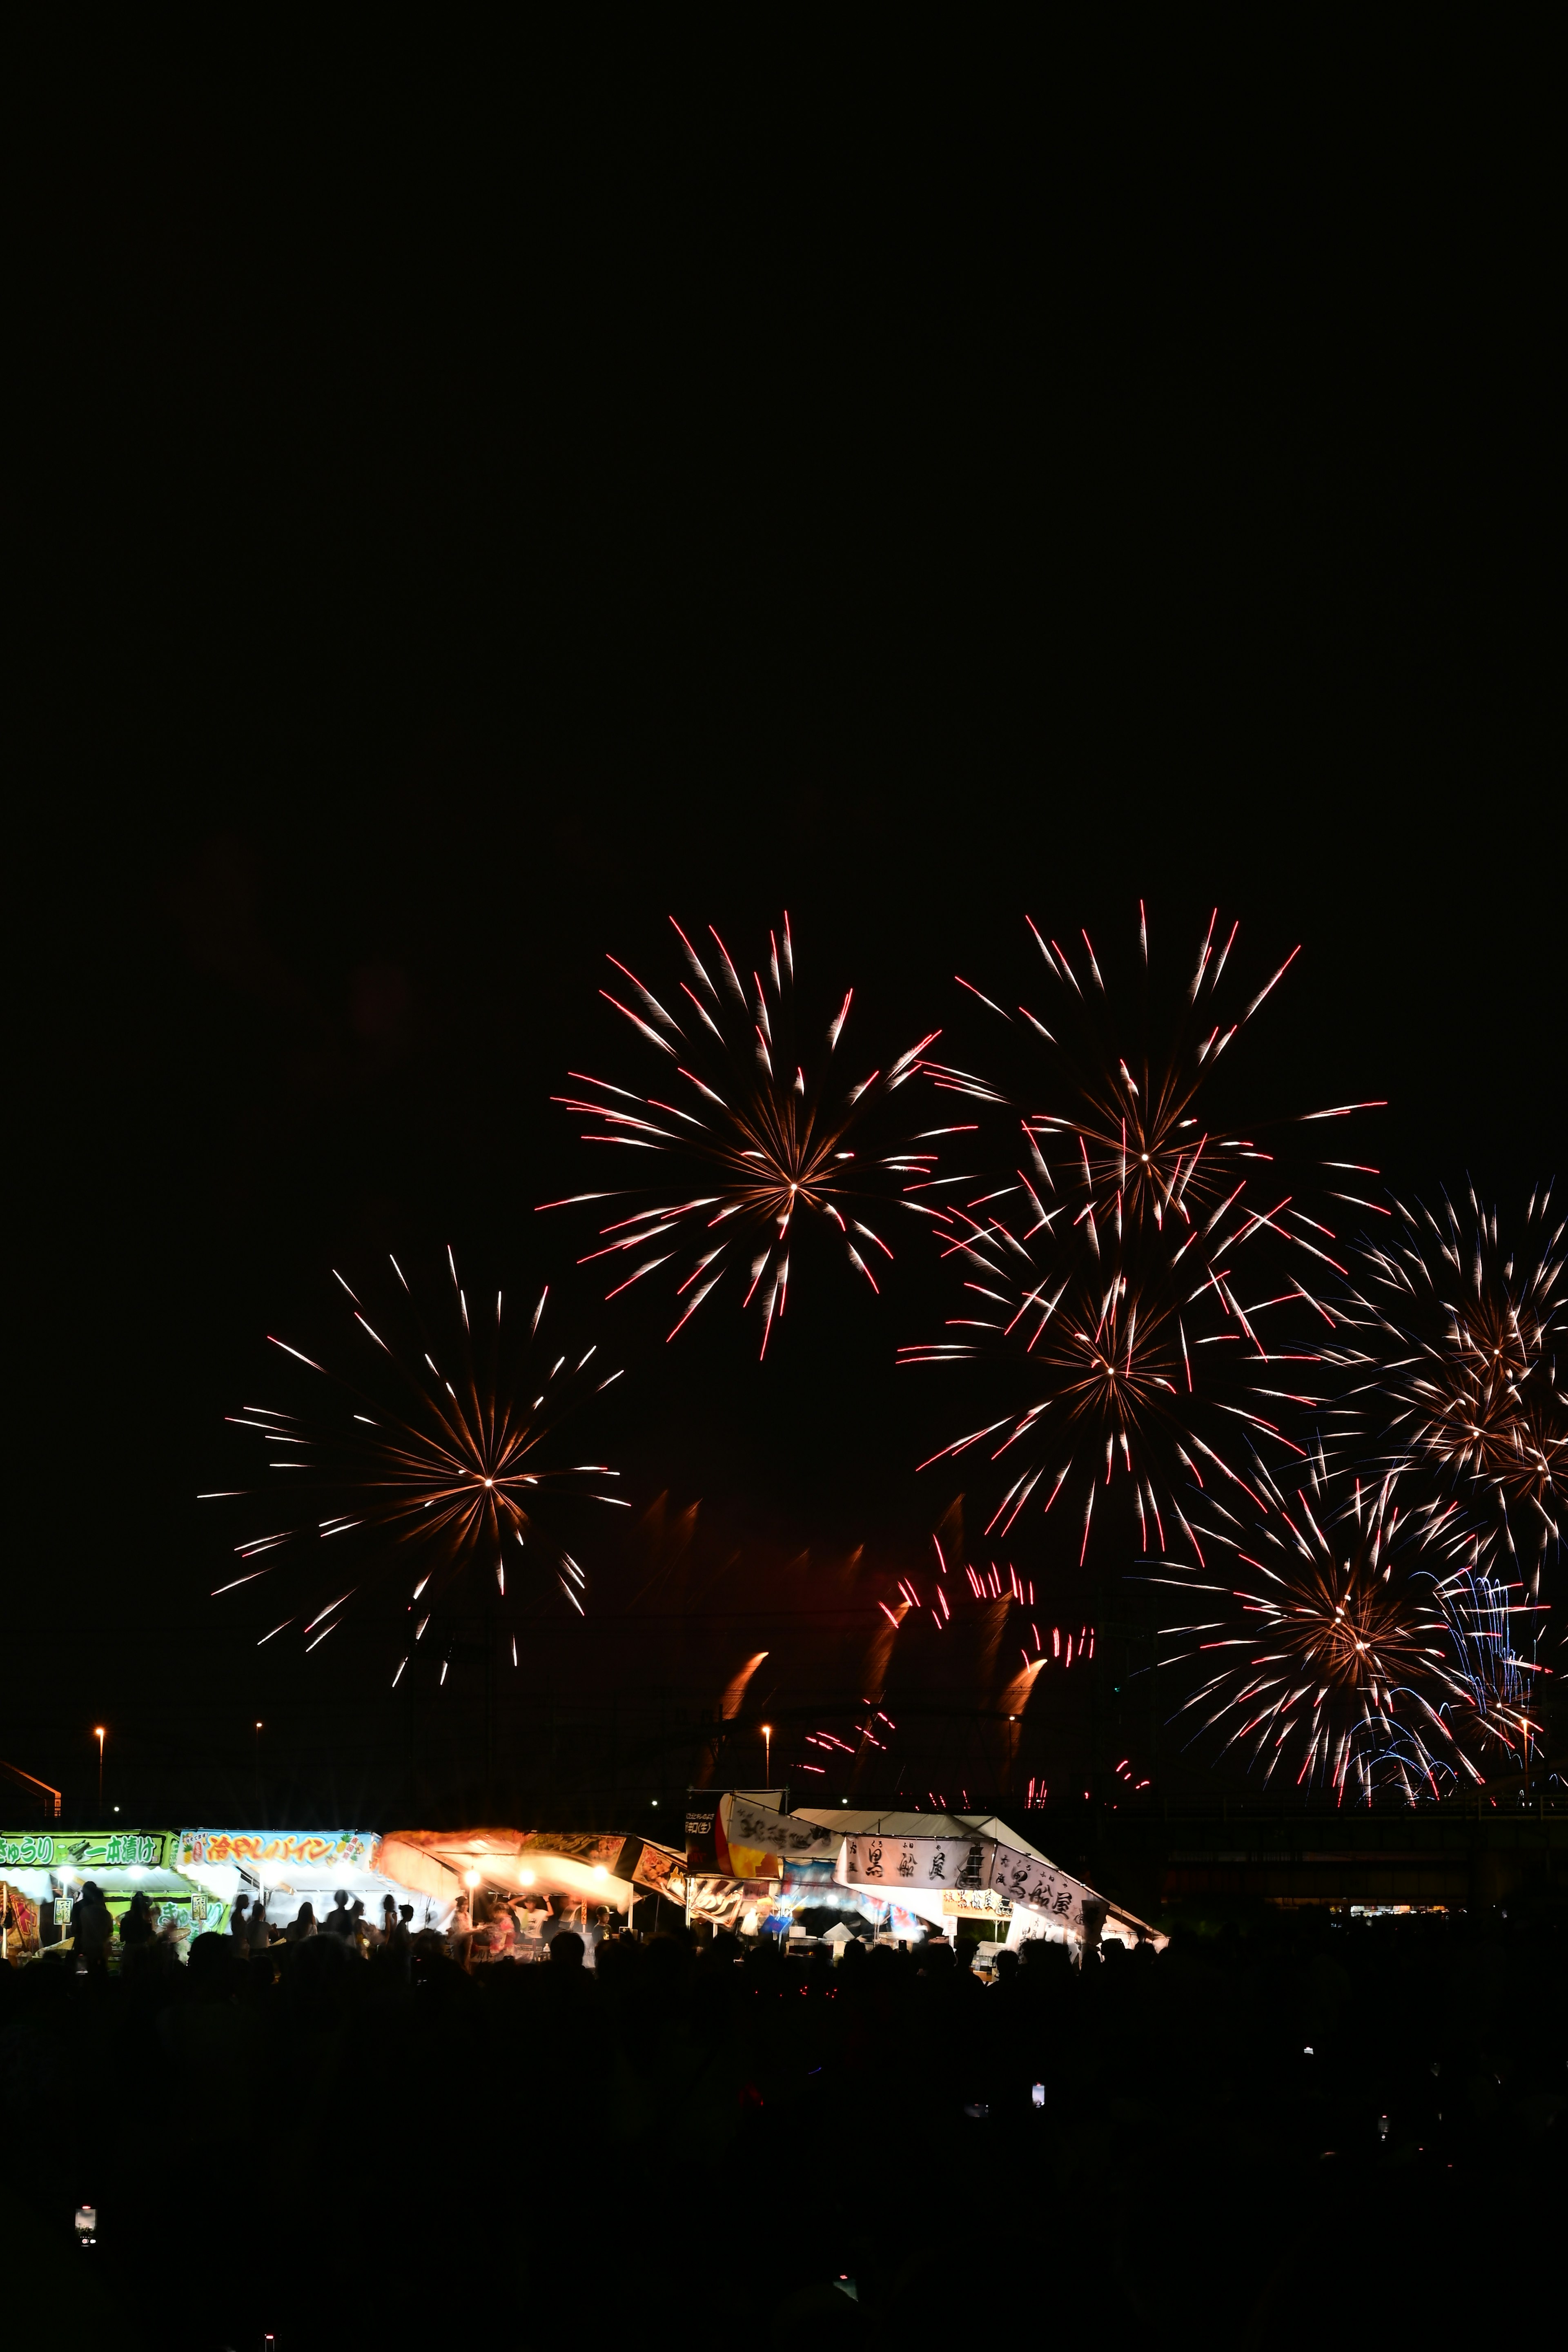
<point x="92" y="1850"/>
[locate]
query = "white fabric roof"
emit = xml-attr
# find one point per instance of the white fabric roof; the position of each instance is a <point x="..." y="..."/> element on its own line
<point x="920" y="1825"/>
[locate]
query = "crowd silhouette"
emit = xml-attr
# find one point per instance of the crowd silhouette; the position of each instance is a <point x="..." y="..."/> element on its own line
<point x="1250" y="2136"/>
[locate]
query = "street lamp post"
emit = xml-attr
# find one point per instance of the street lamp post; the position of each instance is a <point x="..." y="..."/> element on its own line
<point x="98" y="1732"/>
<point x="768" y="1755"/>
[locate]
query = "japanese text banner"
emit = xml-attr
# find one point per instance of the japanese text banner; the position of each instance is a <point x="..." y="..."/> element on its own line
<point x="1039" y="1886"/>
<point x="959" y="1865"/>
<point x="875" y="1860"/>
<point x="751" y="1824"/>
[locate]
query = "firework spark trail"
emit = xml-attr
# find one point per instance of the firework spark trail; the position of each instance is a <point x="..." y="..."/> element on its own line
<point x="1108" y="1276"/>
<point x="753" y="1143"/>
<point x="433" y="1471"/>
<point x="1456" y="1336"/>
<point x="1350" y="1643"/>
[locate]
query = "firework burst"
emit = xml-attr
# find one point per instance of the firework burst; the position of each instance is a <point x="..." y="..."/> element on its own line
<point x="1359" y="1646"/>
<point x="411" y="1467"/>
<point x="755" y="1145"/>
<point x="1461" y="1332"/>
<point x="1118" y="1277"/>
<point x="1110" y="1112"/>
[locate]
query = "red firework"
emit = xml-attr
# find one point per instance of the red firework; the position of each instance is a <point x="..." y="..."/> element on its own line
<point x="766" y="1133"/>
<point x="1355" y="1643"/>
<point x="1120" y="1272"/>
<point x="402" y="1465"/>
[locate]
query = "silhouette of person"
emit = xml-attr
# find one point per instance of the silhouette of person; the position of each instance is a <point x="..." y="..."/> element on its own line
<point x="136" y="1928"/>
<point x="92" y="1927"/>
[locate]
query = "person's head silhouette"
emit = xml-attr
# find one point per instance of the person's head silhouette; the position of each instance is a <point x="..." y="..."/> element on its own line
<point x="566" y="1949"/>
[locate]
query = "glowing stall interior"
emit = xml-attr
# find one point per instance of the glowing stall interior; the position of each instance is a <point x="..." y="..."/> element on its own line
<point x="542" y="1878"/>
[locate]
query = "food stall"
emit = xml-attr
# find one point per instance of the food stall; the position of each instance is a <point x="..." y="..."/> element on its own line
<point x="756" y="1867"/>
<point x="191" y="1877"/>
<point x="533" y="1882"/>
<point x="757" y="1870"/>
<point x="283" y="1869"/>
<point x="739" y="1884"/>
<point x="42" y="1873"/>
<point x="967" y="1871"/>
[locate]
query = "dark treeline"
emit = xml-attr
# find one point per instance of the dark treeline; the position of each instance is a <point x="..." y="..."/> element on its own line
<point x="1266" y="2133"/>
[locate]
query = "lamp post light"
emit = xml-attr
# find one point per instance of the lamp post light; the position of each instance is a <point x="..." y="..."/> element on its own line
<point x="99" y="1731"/>
<point x="768" y="1755"/>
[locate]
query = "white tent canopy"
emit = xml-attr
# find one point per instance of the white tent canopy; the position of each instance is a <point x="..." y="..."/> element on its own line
<point x="1046" y="1899"/>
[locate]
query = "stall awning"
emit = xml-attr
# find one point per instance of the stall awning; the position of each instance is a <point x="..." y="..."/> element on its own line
<point x="588" y="1865"/>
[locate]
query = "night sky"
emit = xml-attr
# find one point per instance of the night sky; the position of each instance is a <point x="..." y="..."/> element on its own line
<point x="443" y="577"/>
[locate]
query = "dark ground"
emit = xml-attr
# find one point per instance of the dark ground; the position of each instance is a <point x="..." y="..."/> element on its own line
<point x="1261" y="2137"/>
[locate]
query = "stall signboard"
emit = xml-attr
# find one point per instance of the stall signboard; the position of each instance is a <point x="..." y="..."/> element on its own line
<point x="575" y="1845"/>
<point x="749" y="1824"/>
<point x="654" y="1867"/>
<point x="945" y="1864"/>
<point x="705" y="1839"/>
<point x="965" y="1865"/>
<point x="721" y="1901"/>
<point x="325" y="1850"/>
<point x="977" y="1903"/>
<point x="731" y="1835"/>
<point x="18" y="1922"/>
<point x="92" y="1850"/>
<point x="1039" y="1886"/>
